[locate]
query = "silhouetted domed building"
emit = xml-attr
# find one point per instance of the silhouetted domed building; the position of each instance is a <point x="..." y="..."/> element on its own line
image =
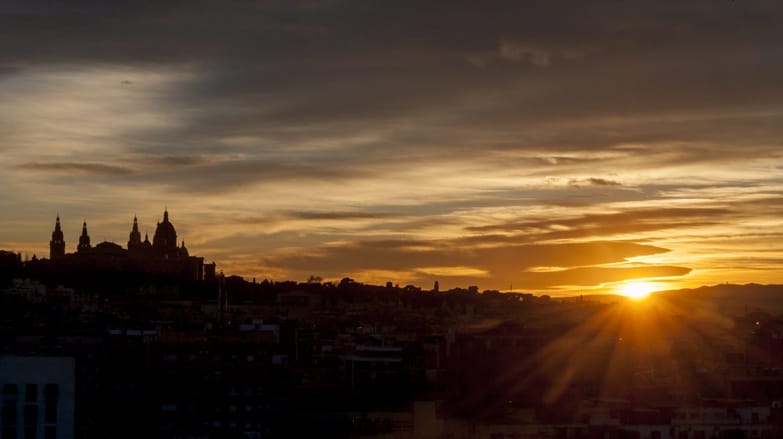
<point x="160" y="257"/>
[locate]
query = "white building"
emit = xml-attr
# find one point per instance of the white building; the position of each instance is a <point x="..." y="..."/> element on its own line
<point x="37" y="397"/>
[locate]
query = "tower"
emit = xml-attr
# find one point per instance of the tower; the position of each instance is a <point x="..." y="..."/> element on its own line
<point x="57" y="244"/>
<point x="84" y="240"/>
<point x="134" y="240"/>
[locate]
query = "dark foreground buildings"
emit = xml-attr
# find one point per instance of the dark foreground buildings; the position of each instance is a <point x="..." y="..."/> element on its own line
<point x="94" y="345"/>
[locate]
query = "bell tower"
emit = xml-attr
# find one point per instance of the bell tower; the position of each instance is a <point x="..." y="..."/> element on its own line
<point x="134" y="241"/>
<point x="57" y="244"/>
<point x="84" y="240"/>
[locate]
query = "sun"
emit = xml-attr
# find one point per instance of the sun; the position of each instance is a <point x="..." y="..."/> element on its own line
<point x="636" y="290"/>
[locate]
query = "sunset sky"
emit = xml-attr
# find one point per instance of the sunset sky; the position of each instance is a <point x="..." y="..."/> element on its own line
<point x="556" y="147"/>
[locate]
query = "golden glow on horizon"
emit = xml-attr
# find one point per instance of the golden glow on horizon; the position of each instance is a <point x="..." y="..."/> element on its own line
<point x="636" y="290"/>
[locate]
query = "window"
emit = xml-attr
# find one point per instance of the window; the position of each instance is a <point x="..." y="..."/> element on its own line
<point x="51" y="391"/>
<point x="30" y="421"/>
<point x="31" y="392"/>
<point x="50" y="412"/>
<point x="9" y="414"/>
<point x="30" y="414"/>
<point x="9" y="389"/>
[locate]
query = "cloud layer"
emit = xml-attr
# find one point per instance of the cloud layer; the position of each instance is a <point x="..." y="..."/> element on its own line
<point x="405" y="141"/>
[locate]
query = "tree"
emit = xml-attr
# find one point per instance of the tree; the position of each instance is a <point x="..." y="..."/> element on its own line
<point x="346" y="281"/>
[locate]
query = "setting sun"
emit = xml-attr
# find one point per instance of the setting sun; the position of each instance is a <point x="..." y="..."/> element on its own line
<point x="636" y="290"/>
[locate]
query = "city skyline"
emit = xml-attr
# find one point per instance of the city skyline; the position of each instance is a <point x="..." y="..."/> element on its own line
<point x="520" y="145"/>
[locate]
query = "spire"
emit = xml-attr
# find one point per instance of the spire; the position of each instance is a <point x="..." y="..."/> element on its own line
<point x="134" y="240"/>
<point x="84" y="240"/>
<point x="166" y="215"/>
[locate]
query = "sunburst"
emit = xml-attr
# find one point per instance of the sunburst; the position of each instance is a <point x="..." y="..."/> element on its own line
<point x="636" y="290"/>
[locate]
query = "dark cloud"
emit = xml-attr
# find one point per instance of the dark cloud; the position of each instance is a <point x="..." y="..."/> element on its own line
<point x="79" y="168"/>
<point x="197" y="175"/>
<point x="594" y="182"/>
<point x="327" y="68"/>
<point x="173" y="161"/>
<point x="231" y="175"/>
<point x="603" y="182"/>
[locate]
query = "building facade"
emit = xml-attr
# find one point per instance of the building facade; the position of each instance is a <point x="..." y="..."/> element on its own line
<point x="38" y="397"/>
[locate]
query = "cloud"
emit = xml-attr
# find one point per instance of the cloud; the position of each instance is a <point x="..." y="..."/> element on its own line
<point x="589" y="276"/>
<point x="494" y="266"/>
<point x="79" y="168"/>
<point x="287" y="72"/>
<point x="602" y="182"/>
<point x="607" y="224"/>
<point x="300" y="125"/>
<point x="339" y="215"/>
<point x="594" y="182"/>
<point x="232" y="175"/>
<point x="173" y="161"/>
<point x="517" y="51"/>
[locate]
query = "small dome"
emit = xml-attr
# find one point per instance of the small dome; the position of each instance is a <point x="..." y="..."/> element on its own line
<point x="108" y="248"/>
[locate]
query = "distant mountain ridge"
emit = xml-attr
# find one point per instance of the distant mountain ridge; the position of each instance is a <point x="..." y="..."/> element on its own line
<point x="731" y="298"/>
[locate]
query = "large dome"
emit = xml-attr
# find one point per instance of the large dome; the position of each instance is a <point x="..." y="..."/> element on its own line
<point x="165" y="240"/>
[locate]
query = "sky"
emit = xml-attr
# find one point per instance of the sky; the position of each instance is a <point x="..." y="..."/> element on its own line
<point x="545" y="146"/>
